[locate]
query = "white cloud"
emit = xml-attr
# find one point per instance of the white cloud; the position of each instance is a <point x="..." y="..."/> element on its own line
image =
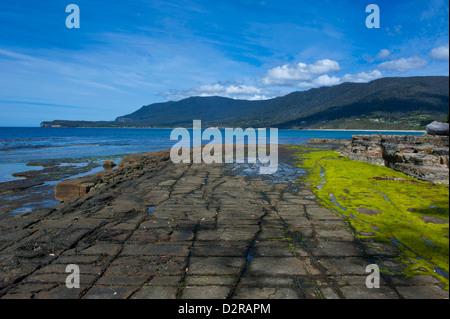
<point x="384" y="53"/>
<point x="289" y="73"/>
<point x="323" y="80"/>
<point x="404" y="65"/>
<point x="362" y="77"/>
<point x="440" y="53"/>
<point x="234" y="91"/>
<point x="291" y="76"/>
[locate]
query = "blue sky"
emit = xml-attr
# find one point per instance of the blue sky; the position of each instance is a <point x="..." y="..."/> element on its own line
<point x="125" y="56"/>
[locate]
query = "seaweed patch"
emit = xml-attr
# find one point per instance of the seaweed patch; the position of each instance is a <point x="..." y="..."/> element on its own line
<point x="401" y="209"/>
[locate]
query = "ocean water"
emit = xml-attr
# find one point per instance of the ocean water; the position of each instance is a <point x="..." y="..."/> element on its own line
<point x="19" y="145"/>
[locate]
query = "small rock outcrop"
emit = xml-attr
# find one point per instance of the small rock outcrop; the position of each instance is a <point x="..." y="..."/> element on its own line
<point x="109" y="164"/>
<point x="76" y="187"/>
<point x="79" y="187"/>
<point x="422" y="157"/>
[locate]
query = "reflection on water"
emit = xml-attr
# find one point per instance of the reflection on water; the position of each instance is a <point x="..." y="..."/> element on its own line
<point x="28" y="207"/>
<point x="7" y="169"/>
<point x="285" y="174"/>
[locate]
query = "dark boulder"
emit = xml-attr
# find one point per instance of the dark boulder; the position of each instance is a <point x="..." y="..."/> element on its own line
<point x="437" y="128"/>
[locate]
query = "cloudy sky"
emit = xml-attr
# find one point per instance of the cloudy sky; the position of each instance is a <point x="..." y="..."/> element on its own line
<point x="125" y="56"/>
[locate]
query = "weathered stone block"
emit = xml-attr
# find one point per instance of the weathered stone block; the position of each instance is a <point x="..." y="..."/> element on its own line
<point x="75" y="188"/>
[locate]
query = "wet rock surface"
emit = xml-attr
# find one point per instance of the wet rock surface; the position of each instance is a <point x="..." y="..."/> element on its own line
<point x="154" y="229"/>
<point x="35" y="189"/>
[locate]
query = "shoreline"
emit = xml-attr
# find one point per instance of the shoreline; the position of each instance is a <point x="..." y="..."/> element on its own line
<point x="46" y="182"/>
<point x="356" y="130"/>
<point x="31" y="189"/>
<point x="155" y="229"/>
<point x="36" y="182"/>
<point x="171" y="128"/>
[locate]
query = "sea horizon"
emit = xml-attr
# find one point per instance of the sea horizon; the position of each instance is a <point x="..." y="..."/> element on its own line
<point x="219" y="127"/>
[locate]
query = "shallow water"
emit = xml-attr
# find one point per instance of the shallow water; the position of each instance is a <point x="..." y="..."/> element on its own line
<point x="23" y="144"/>
<point x="285" y="173"/>
<point x="20" y="145"/>
<point x="7" y="169"/>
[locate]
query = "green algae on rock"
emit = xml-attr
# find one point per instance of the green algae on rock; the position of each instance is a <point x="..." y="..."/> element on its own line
<point x="385" y="206"/>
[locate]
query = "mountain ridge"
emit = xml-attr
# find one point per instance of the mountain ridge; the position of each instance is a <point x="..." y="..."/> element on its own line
<point x="386" y="103"/>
